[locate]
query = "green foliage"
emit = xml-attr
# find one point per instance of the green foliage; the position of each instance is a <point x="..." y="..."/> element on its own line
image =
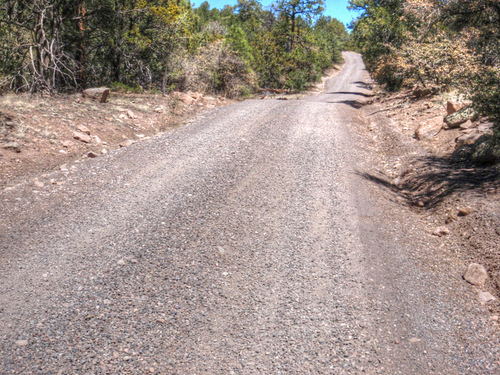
<point x="58" y="45"/>
<point x="438" y="46"/>
<point x="121" y="87"/>
<point x="487" y="92"/>
<point x="331" y="37"/>
<point x="380" y="27"/>
<point x="237" y="41"/>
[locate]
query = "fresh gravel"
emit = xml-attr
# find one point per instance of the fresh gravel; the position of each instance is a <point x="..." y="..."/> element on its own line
<point x="243" y="242"/>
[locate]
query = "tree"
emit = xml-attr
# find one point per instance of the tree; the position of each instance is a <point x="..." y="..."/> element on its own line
<point x="381" y="27"/>
<point x="331" y="36"/>
<point x="291" y="10"/>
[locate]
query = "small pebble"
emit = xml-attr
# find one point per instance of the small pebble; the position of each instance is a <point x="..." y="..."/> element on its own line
<point x="464" y="211"/>
<point x="22" y="342"/>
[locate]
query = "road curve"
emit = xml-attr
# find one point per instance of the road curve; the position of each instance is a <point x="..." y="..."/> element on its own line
<point x="240" y="243"/>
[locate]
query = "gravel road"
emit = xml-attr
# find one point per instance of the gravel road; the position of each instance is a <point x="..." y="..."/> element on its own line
<point x="243" y="242"/>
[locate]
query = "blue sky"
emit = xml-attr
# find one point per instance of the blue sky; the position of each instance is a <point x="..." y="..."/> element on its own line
<point x="335" y="8"/>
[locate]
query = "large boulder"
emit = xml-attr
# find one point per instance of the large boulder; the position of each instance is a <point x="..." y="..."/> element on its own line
<point x="452" y="107"/>
<point x="486" y="150"/>
<point x="468" y="138"/>
<point x="98" y="93"/>
<point x="183" y="97"/>
<point x="459" y="117"/>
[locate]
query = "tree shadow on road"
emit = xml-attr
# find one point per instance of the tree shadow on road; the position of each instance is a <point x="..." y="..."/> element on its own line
<point x="363" y="85"/>
<point x="351" y="93"/>
<point x="357" y="104"/>
<point x="431" y="179"/>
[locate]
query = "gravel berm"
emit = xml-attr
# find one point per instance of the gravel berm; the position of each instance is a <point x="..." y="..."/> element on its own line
<point x="243" y="242"/>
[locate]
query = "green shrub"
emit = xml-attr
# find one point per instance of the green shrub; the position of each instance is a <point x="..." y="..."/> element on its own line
<point x="124" y="88"/>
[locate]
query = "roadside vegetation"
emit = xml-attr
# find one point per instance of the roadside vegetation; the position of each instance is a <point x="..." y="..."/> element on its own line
<point x="434" y="47"/>
<point x="165" y="45"/>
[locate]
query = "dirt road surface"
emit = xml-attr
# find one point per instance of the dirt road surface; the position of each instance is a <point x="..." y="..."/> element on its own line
<point x="244" y="242"/>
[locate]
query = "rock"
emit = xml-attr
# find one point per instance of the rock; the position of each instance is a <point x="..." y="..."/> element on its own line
<point x="127" y="143"/>
<point x="100" y="93"/>
<point x="104" y="151"/>
<point x="467" y="125"/>
<point x="22" y="342"/>
<point x="222" y="251"/>
<point x="468" y="138"/>
<point x="97" y="140"/>
<point x="441" y="231"/>
<point x="196" y="96"/>
<point x="38" y="184"/>
<point x="414" y="340"/>
<point x="450" y="218"/>
<point x="462" y="153"/>
<point x="422" y="92"/>
<point x="82" y="137"/>
<point x="430" y="128"/>
<point x="68" y="144"/>
<point x="14" y="146"/>
<point x="464" y="211"/>
<point x="476" y="275"/>
<point x="452" y="107"/>
<point x="485" y="127"/>
<point x="63" y="168"/>
<point x="92" y="154"/>
<point x="130" y="114"/>
<point x="121" y="262"/>
<point x="486" y="150"/>
<point x="459" y="117"/>
<point x="158" y="110"/>
<point x="486" y="297"/>
<point x="83" y="129"/>
<point x="183" y="97"/>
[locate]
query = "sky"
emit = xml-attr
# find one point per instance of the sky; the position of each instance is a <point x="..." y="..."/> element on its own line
<point x="335" y="8"/>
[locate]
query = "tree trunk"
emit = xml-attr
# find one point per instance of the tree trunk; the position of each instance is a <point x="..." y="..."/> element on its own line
<point x="80" y="48"/>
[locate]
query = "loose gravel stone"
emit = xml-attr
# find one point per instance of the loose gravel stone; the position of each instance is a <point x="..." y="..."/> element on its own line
<point x="476" y="274"/>
<point x="464" y="211"/>
<point x="486" y="297"/>
<point x="441" y="231"/>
